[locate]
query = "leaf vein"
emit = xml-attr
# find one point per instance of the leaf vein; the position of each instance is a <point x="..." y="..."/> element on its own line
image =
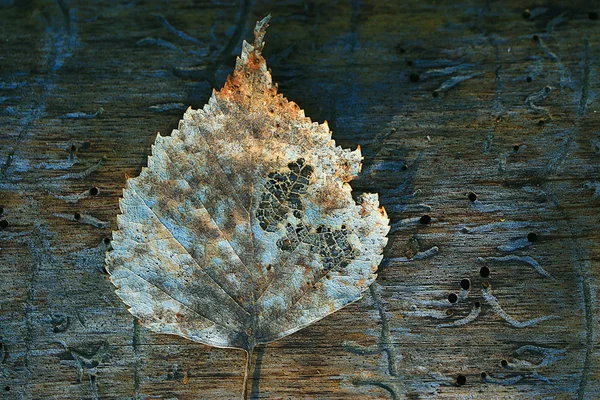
<point x="227" y="239"/>
<point x="186" y="252"/>
<point x="178" y="301"/>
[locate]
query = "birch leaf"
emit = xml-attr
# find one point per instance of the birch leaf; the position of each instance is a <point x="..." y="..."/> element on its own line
<point x="242" y="229"/>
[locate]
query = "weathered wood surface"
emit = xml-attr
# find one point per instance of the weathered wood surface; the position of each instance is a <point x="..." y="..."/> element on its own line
<point x="445" y="100"/>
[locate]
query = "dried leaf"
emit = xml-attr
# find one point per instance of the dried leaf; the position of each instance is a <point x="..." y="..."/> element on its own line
<point x="242" y="229"/>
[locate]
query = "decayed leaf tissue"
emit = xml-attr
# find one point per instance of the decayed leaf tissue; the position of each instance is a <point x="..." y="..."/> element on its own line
<point x="242" y="229"/>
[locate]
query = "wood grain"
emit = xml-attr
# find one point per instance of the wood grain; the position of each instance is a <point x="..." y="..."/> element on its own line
<point x="446" y="100"/>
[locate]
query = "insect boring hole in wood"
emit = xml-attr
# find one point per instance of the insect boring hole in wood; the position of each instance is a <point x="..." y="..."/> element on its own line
<point x="452" y="298"/>
<point x="532" y="237"/>
<point x="461" y="380"/>
<point x="484" y="272"/>
<point x="4" y="224"/>
<point x="477" y="304"/>
<point x="483" y="375"/>
<point x="1" y="210"/>
<point x="465" y="284"/>
<point x="504" y="363"/>
<point x="94" y="191"/>
<point x="77" y="216"/>
<point x="425" y="220"/>
<point x="472" y="196"/>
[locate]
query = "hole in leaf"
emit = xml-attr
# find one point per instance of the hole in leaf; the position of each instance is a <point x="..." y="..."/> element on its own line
<point x="484" y="272"/>
<point x="452" y="298"/>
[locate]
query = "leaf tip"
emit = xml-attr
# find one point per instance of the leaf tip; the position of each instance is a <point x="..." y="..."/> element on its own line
<point x="259" y="32"/>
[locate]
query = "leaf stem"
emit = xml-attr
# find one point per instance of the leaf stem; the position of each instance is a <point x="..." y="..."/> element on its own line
<point x="247" y="392"/>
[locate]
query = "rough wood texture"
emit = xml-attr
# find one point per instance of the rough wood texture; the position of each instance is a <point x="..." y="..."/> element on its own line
<point x="448" y="102"/>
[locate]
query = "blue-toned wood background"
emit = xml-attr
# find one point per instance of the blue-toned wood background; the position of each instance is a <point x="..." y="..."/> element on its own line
<point x="479" y="126"/>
